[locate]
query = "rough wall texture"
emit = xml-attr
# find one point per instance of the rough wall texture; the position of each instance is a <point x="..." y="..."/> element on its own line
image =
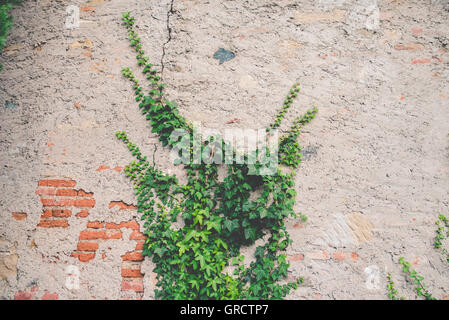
<point x="375" y="173"/>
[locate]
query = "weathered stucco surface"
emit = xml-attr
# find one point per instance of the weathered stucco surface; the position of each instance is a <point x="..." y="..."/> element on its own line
<point x="375" y="172"/>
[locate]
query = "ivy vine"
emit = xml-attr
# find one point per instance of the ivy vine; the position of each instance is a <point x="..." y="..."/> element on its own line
<point x="441" y="235"/>
<point x="420" y="288"/>
<point x="202" y="259"/>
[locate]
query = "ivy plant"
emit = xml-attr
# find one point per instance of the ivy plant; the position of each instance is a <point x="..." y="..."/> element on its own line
<point x="391" y="289"/>
<point x="5" y="20"/>
<point x="441" y="234"/>
<point x="417" y="279"/>
<point x="202" y="259"/>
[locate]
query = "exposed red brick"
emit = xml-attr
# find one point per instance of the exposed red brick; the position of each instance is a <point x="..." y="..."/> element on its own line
<point x="296" y="257"/>
<point x="118" y="169"/>
<point x="319" y="255"/>
<point x="133" y="256"/>
<point x="132" y="285"/>
<point x="131" y="225"/>
<point x="50" y="296"/>
<point x="421" y="61"/>
<point x="132" y="273"/>
<point x="99" y="234"/>
<point x="85" y="203"/>
<point x="137" y="236"/>
<point x="87" y="246"/>
<point x="47" y="213"/>
<point x="113" y="225"/>
<point x="61" y="213"/>
<point x="57" y="183"/>
<point x="354" y="256"/>
<point x="57" y="203"/>
<point x="125" y="224"/>
<point x="82" y="193"/>
<point x="24" y="295"/>
<point x="92" y="234"/>
<point x="66" y="192"/>
<point x="82" y="214"/>
<point x="298" y="225"/>
<point x="95" y="224"/>
<point x="409" y="47"/>
<point x="113" y="234"/>
<point x="339" y="256"/>
<point x="103" y="167"/>
<point x="87" y="9"/>
<point x="139" y="245"/>
<point x="121" y="205"/>
<point x="83" y="257"/>
<point x="46" y="191"/>
<point x="53" y="224"/>
<point x="19" y="215"/>
<point x="417" y="31"/>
